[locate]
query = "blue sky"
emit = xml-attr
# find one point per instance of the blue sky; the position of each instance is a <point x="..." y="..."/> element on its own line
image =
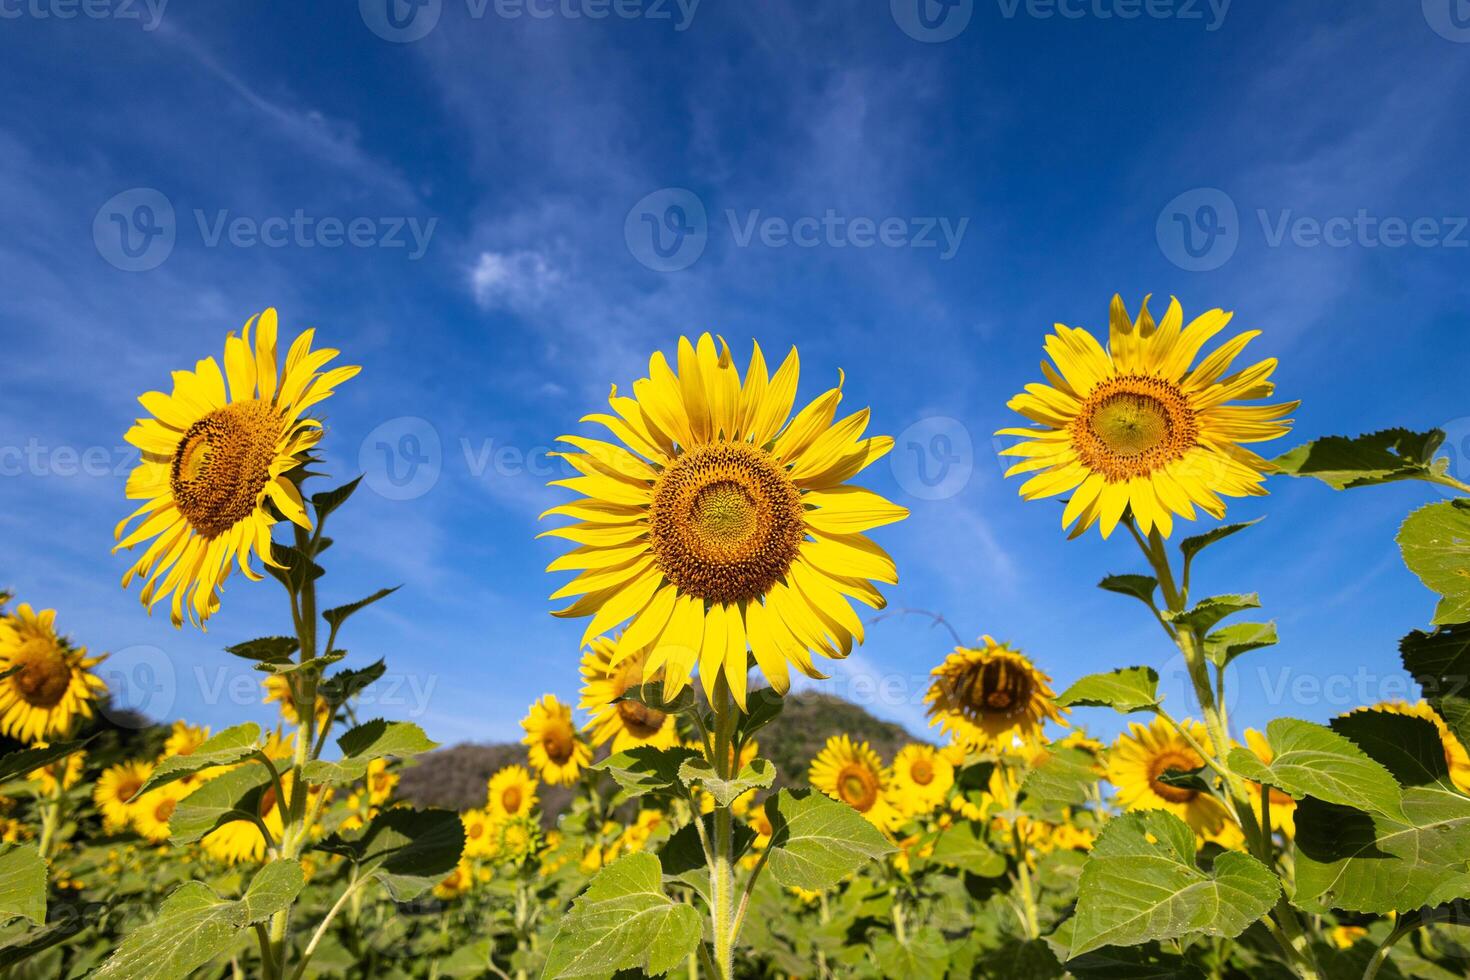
<point x="1065" y="151"/>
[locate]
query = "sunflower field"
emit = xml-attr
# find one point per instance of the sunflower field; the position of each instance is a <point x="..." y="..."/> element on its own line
<point x="717" y="544"/>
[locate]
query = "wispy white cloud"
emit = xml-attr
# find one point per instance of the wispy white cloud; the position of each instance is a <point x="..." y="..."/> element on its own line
<point x="520" y="280"/>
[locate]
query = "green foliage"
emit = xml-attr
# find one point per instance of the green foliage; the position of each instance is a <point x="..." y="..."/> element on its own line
<point x="338" y="615"/>
<point x="1440" y="662"/>
<point x="1209" y="611"/>
<point x="964" y="847"/>
<point x="1140" y="587"/>
<point x="1435" y="541"/>
<point x="1312" y="760"/>
<point x="1142" y="882"/>
<point x="645" y="769"/>
<point x="1191" y="547"/>
<point x="1380" y="457"/>
<point x="377" y="739"/>
<point x="624" y="921"/>
<point x="696" y="771"/>
<point x="817" y="841"/>
<point x="1225" y="644"/>
<point x="14" y="765"/>
<point x="22" y="884"/>
<point x="1125" y="690"/>
<point x="234" y="795"/>
<point x="266" y="649"/>
<point x="194" y="925"/>
<point x="408" y="850"/>
<point x="227" y="748"/>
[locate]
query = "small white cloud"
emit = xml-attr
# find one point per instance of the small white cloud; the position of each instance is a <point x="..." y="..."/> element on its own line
<point x="512" y="280"/>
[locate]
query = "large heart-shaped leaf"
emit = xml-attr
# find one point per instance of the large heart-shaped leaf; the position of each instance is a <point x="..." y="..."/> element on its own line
<point x="1380" y="457"/>
<point x="624" y="921"/>
<point x="817" y="841"/>
<point x="1142" y="882"/>
<point x="407" y="849"/>
<point x="1313" y="760"/>
<point x="646" y="769"/>
<point x="1440" y="662"/>
<point x="22" y="884"/>
<point x="1435" y="541"/>
<point x="1125" y="690"/>
<point x="226" y="748"/>
<point x="376" y="739"/>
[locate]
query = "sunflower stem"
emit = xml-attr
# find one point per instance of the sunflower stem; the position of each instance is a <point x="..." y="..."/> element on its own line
<point x="722" y="873"/>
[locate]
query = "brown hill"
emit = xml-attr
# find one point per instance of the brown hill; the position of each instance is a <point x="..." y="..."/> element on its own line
<point x="455" y="777"/>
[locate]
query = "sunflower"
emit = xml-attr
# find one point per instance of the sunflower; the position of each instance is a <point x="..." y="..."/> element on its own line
<point x="184" y="738"/>
<point x="555" y="751"/>
<point x="511" y="793"/>
<point x="457" y="882"/>
<point x="1455" y="755"/>
<point x="606" y="677"/>
<point x="989" y="696"/>
<point x="1136" y="427"/>
<point x="152" y="812"/>
<point x="721" y="526"/>
<point x="59" y="776"/>
<point x="759" y="821"/>
<point x="115" y="790"/>
<point x="1283" y="807"/>
<point x="922" y="777"/>
<point x="218" y="468"/>
<point x="52" y="687"/>
<point x="481" y="836"/>
<point x="852" y="773"/>
<point x="381" y="782"/>
<point x="1142" y="755"/>
<point x="519" y="839"/>
<point x="240" y="840"/>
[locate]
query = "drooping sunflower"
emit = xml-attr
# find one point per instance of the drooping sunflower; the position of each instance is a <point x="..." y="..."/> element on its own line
<point x="605" y="678"/>
<point x="1455" y="755"/>
<point x="52" y="688"/>
<point x="115" y="790"/>
<point x="511" y="793"/>
<point x="988" y="696"/>
<point x="718" y="527"/>
<point x="852" y="773"/>
<point x="1139" y="426"/>
<point x="1142" y="755"/>
<point x="556" y="752"/>
<point x="219" y="467"/>
<point x="1283" y="807"/>
<point x="153" y="811"/>
<point x="922" y="777"/>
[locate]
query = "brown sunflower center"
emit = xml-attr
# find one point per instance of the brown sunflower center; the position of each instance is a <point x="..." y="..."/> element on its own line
<point x="164" y="809"/>
<point x="510" y="799"/>
<point x="222" y="464"/>
<point x="1176" y="761"/>
<point x="559" y="743"/>
<point x="726" y="522"/>
<point x="858" y="786"/>
<point x="994" y="688"/>
<point x="44" y="675"/>
<point x="1130" y="426"/>
<point x="640" y="720"/>
<point x="921" y="772"/>
<point x="477" y="830"/>
<point x="126" y="787"/>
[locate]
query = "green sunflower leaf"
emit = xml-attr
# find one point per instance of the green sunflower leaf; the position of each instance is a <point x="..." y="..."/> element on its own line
<point x="22" y="884"/>
<point x="407" y="849"/>
<point x="1225" y="644"/>
<point x="329" y="500"/>
<point x="816" y="841"/>
<point x="1380" y="457"/>
<point x="762" y="707"/>
<point x="1142" y="882"/>
<point x="964" y="847"/>
<point x="624" y="921"/>
<point x="344" y="685"/>
<point x="13" y="765"/>
<point x="1061" y="780"/>
<point x="376" y="739"/>
<point x="645" y="769"/>
<point x="1435" y="541"/>
<point x="682" y="855"/>
<point x="266" y="649"/>
<point x="1209" y="611"/>
<point x="1440" y="663"/>
<point x="228" y="797"/>
<point x="1374" y="862"/>
<point x="923" y="956"/>
<point x="651" y="696"/>
<point x="224" y="749"/>
<point x="1140" y="587"/>
<point x="1192" y="546"/>
<point x="1313" y="760"/>
<point x="194" y="925"/>
<point x="337" y="615"/>
<point x="1125" y="690"/>
<point x="696" y="771"/>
